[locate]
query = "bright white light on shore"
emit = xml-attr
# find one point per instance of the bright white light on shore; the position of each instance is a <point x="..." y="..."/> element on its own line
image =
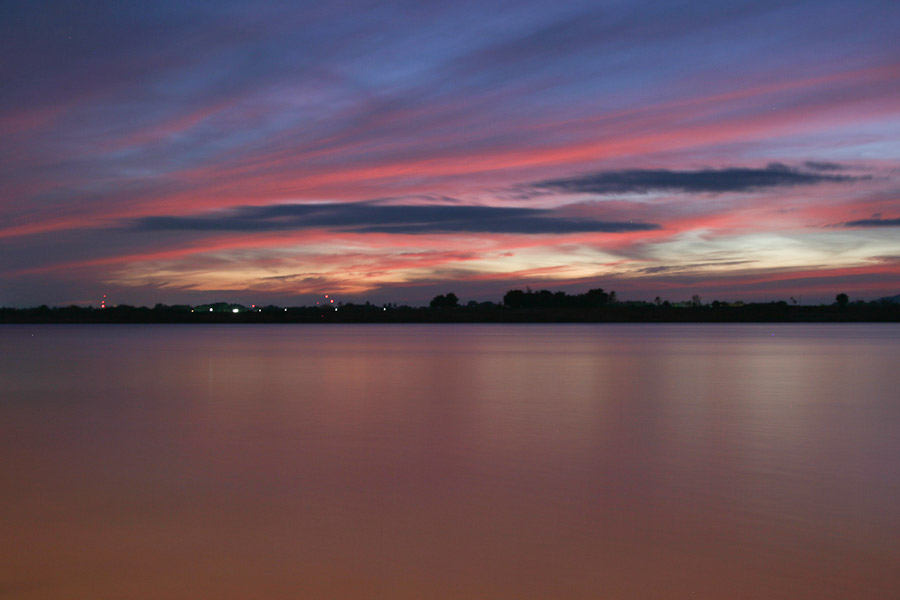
<point x="234" y="310"/>
<point x="210" y="310"/>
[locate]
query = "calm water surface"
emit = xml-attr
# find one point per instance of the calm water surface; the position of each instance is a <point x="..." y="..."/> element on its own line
<point x="447" y="461"/>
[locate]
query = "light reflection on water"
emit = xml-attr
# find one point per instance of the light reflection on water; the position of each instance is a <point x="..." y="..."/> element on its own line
<point x="448" y="461"/>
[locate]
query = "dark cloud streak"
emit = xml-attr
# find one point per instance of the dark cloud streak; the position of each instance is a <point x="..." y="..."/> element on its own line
<point x="732" y="179"/>
<point x="365" y="217"/>
<point x="873" y="223"/>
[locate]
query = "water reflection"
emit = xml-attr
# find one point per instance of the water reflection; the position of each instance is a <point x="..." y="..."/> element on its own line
<point x="620" y="461"/>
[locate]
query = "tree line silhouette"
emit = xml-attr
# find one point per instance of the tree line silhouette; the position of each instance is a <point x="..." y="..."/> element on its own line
<point x="546" y="299"/>
<point x="517" y="306"/>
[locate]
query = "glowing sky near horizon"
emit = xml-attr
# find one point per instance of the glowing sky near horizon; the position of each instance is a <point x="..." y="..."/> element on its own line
<point x="271" y="152"/>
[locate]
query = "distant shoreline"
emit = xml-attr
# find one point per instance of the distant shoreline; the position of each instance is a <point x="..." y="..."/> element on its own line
<point x="775" y="312"/>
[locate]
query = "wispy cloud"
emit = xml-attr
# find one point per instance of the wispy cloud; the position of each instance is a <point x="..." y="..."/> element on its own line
<point x="818" y="165"/>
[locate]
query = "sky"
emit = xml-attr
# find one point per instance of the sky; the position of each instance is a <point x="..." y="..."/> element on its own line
<point x="273" y="152"/>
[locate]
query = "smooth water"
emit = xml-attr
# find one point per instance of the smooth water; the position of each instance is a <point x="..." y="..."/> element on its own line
<point x="449" y="461"/>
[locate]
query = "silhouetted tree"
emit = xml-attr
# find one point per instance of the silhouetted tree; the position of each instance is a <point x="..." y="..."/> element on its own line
<point x="514" y="299"/>
<point x="445" y="301"/>
<point x="596" y="297"/>
<point x="842" y="300"/>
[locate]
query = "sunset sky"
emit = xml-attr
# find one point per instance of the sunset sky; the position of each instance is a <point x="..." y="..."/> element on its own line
<point x="271" y="152"/>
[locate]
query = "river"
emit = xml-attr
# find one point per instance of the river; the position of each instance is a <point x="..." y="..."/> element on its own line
<point x="450" y="461"/>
